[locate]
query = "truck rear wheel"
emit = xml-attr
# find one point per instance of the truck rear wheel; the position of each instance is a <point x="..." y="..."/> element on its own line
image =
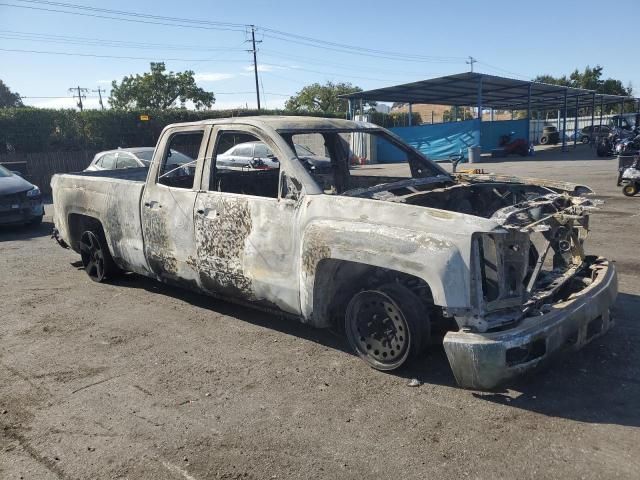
<point x="386" y="326"/>
<point x="96" y="258"/>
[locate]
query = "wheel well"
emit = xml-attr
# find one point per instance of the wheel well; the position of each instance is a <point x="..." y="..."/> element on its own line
<point x="78" y="223"/>
<point x="336" y="281"/>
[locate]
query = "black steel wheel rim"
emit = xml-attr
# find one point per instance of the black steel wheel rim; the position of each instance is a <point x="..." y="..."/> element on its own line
<point x="377" y="328"/>
<point x="92" y="256"/>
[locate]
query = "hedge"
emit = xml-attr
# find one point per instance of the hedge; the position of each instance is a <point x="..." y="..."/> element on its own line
<point x="28" y="130"/>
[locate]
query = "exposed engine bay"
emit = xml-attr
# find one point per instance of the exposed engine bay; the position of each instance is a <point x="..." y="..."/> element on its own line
<point x="536" y="258"/>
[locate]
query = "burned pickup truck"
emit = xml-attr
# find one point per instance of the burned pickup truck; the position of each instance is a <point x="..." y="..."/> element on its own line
<point x="493" y="265"/>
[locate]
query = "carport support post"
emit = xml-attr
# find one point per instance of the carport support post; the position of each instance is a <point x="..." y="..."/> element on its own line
<point x="564" y="124"/>
<point x="575" y="125"/>
<point x="529" y="115"/>
<point x="593" y="113"/>
<point x="410" y="115"/>
<point x="601" y="110"/>
<point x="349" y="115"/>
<point x="480" y="112"/>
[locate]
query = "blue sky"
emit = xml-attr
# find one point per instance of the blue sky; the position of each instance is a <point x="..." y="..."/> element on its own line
<point x="508" y="38"/>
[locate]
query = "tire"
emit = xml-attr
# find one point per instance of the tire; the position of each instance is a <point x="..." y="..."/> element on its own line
<point x="387" y="326"/>
<point x="96" y="258"/>
<point x="630" y="189"/>
<point x="544" y="140"/>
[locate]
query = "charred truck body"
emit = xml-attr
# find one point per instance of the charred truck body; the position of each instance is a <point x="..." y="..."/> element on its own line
<point x="496" y="264"/>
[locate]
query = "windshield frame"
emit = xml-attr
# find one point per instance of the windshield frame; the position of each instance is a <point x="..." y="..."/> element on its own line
<point x="435" y="170"/>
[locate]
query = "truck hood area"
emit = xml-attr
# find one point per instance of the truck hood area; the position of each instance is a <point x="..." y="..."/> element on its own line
<point x="534" y="255"/>
<point x="515" y="203"/>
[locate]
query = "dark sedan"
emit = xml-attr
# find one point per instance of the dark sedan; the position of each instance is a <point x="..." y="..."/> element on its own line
<point x="20" y="201"/>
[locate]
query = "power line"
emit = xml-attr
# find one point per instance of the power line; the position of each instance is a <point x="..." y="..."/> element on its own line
<point x="102" y="42"/>
<point x="366" y="54"/>
<point x="133" y="14"/>
<point x="202" y="27"/>
<point x="305" y="60"/>
<point x="206" y="24"/>
<point x="77" y="54"/>
<point x="361" y="49"/>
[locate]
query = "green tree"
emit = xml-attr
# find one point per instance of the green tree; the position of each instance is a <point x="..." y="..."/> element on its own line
<point x="9" y="98"/>
<point x="591" y="79"/>
<point x="322" y="98"/>
<point x="158" y="89"/>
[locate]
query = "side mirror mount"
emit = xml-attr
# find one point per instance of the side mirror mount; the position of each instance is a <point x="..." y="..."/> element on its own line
<point x="15" y="172"/>
<point x="290" y="188"/>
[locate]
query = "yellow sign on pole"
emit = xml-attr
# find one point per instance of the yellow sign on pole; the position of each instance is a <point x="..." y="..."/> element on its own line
<point x="144" y="118"/>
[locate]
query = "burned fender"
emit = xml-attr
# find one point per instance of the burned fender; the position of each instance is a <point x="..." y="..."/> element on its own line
<point x="432" y="257"/>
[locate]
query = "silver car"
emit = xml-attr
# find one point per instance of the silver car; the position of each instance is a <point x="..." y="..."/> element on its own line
<point x="121" y="158"/>
<point x="258" y="156"/>
<point x="248" y="156"/>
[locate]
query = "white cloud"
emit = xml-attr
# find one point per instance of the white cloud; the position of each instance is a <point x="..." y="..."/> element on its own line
<point x="212" y="76"/>
<point x="266" y="67"/>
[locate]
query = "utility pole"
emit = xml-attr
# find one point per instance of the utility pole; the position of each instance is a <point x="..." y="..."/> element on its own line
<point x="255" y="61"/>
<point x="100" y="90"/>
<point x="81" y="94"/>
<point x="470" y="62"/>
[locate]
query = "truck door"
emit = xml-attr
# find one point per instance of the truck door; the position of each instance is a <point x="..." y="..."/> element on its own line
<point x="168" y="201"/>
<point x="245" y="233"/>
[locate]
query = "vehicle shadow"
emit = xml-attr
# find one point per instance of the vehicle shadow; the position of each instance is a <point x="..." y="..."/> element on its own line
<point x="10" y="233"/>
<point x="599" y="384"/>
<point x="262" y="318"/>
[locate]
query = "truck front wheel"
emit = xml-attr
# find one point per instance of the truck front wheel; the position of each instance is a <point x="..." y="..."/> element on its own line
<point x="386" y="326"/>
<point x="96" y="257"/>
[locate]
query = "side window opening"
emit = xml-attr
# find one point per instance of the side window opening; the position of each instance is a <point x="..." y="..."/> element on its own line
<point x="178" y="167"/>
<point x="126" y="161"/>
<point x="239" y="167"/>
<point x="108" y="161"/>
<point x="326" y="157"/>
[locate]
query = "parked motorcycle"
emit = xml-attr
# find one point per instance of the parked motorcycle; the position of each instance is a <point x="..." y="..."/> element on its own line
<point x="630" y="179"/>
<point x="519" y="145"/>
<point x="607" y="144"/>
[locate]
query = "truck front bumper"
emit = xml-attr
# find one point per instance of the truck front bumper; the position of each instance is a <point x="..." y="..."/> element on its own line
<point x="485" y="360"/>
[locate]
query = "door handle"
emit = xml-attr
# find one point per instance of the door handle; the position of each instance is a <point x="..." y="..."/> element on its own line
<point x="200" y="212"/>
<point x="152" y="204"/>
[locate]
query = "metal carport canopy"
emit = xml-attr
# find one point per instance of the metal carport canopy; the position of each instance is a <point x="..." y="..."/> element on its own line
<point x="471" y="88"/>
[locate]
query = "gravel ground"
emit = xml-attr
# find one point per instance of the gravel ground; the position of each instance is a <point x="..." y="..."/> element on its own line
<point x="140" y="380"/>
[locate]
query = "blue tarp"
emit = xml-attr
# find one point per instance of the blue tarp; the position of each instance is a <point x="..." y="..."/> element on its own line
<point x="437" y="141"/>
<point x="442" y="140"/>
<point x="492" y="131"/>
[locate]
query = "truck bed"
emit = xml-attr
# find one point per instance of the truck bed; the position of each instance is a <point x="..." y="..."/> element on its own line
<point x="131" y="174"/>
<point x="111" y="196"/>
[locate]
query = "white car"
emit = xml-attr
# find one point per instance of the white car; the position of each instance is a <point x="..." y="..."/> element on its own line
<point x="121" y="158"/>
